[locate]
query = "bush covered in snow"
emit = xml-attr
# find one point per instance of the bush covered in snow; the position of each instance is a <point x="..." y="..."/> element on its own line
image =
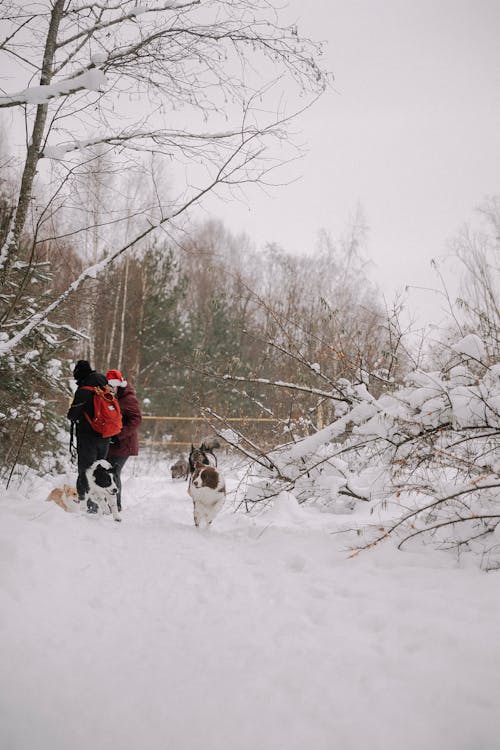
<point x="430" y="446"/>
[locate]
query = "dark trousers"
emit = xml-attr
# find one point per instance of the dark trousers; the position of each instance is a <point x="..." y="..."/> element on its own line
<point x="118" y="462"/>
<point x="89" y="448"/>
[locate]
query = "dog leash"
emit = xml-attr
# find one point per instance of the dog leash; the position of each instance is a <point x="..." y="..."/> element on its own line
<point x="72" y="449"/>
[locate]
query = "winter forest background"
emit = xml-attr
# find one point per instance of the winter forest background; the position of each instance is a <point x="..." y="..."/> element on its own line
<point x="133" y="115"/>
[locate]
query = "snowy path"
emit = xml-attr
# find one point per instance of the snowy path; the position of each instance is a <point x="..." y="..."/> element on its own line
<point x="257" y="635"/>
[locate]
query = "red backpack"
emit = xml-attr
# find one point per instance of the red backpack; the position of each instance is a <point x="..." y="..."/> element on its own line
<point x="107" y="415"/>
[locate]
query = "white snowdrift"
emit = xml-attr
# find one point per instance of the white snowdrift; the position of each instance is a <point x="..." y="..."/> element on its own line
<point x="261" y="633"/>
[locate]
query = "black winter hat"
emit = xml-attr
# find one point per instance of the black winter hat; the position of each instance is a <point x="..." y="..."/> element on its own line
<point x="82" y="369"/>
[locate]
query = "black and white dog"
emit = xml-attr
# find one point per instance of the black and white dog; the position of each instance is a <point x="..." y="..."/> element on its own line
<point x="204" y="454"/>
<point x="102" y="489"/>
<point x="208" y="493"/>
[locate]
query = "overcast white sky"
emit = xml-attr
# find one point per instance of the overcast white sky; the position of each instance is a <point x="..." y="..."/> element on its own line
<point x="412" y="133"/>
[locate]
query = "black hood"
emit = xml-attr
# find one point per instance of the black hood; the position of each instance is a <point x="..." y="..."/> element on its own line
<point x="82" y="370"/>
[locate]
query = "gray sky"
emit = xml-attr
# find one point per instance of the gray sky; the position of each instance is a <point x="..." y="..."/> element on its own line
<point x="412" y="133"/>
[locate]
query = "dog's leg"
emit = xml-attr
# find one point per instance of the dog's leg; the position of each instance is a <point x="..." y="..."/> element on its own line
<point x="113" y="506"/>
<point x="101" y="504"/>
<point x="211" y="513"/>
<point x="200" y="515"/>
<point x="204" y="516"/>
<point x="92" y="504"/>
<point x="215" y="508"/>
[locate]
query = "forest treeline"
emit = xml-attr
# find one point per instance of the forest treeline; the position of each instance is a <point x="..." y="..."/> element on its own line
<point x="201" y="319"/>
<point x="182" y="313"/>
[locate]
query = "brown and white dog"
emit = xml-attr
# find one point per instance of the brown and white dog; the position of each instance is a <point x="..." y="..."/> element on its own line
<point x="64" y="497"/>
<point x="208" y="493"/>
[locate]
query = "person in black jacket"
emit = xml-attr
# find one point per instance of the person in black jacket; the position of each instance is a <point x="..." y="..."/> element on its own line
<point x="90" y="445"/>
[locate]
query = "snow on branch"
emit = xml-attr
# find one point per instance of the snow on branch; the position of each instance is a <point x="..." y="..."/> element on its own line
<point x="66" y="327"/>
<point x="172" y="138"/>
<point x="427" y="450"/>
<point x="92" y="80"/>
<point x="292" y="386"/>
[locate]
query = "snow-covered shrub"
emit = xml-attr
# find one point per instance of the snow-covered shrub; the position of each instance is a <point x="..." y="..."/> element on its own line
<point x="434" y="441"/>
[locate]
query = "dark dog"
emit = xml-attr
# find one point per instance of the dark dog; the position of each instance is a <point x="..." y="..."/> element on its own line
<point x="180" y="470"/>
<point x="204" y="454"/>
<point x="199" y="455"/>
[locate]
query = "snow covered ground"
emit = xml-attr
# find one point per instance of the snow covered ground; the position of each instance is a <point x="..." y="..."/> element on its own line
<point x="260" y="634"/>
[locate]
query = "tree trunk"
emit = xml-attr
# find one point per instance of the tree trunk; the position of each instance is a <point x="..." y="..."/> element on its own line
<point x="33" y="151"/>
<point x="122" y="322"/>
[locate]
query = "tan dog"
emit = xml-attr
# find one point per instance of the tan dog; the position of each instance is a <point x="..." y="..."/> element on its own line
<point x="63" y="496"/>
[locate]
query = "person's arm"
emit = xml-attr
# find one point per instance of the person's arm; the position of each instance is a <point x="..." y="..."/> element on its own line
<point x="132" y="417"/>
<point x="80" y="404"/>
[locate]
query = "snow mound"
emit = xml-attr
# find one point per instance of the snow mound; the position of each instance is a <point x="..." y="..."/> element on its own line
<point x="471" y="346"/>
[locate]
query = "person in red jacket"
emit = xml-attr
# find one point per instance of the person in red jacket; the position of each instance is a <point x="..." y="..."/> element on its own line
<point x="126" y="443"/>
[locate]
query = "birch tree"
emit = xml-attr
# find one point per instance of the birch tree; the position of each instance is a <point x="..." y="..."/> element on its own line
<point x="197" y="85"/>
<point x="89" y="58"/>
